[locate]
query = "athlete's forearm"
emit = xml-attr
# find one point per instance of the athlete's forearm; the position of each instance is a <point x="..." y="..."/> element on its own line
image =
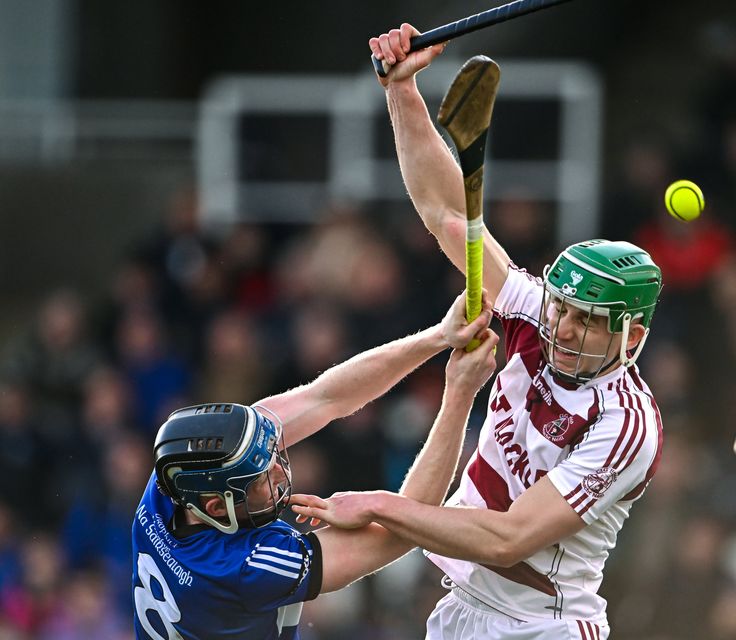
<point x="471" y="534"/>
<point x="436" y="464"/>
<point x="538" y="518"/>
<point x="431" y="173"/>
<point x="435" y="183"/>
<point x="345" y="388"/>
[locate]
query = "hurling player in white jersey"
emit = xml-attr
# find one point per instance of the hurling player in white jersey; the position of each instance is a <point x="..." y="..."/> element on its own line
<point x="212" y="559"/>
<point x="572" y="436"/>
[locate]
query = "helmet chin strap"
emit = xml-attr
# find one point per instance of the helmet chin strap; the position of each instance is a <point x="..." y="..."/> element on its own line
<point x="623" y="356"/>
<point x="229" y="504"/>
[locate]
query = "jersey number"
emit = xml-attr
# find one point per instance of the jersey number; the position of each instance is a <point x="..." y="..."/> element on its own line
<point x="145" y="601"/>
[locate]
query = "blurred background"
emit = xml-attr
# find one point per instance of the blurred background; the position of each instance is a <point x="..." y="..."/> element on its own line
<point x="200" y="202"/>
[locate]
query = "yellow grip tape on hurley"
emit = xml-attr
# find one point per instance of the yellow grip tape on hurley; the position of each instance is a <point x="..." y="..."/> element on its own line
<point x="474" y="273"/>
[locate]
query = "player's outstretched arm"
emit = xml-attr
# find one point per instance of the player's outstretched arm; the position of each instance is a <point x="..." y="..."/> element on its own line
<point x="345" y="388"/>
<point x="429" y="169"/>
<point x="539" y="518"/>
<point x="349" y="555"/>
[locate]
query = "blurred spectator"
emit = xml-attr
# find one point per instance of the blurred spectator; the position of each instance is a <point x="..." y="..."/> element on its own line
<point x="688" y="254"/>
<point x="53" y="358"/>
<point x="246" y="258"/>
<point x="135" y="285"/>
<point x="524" y="229"/>
<point x="10" y="566"/>
<point x="107" y="406"/>
<point x="692" y="580"/>
<point x="310" y="468"/>
<point x="234" y="369"/>
<point x="644" y="171"/>
<point x="86" y="612"/>
<point x="36" y="597"/>
<point x="178" y="250"/>
<point x="715" y="159"/>
<point x="405" y="421"/>
<point x="159" y="379"/>
<point x="317" y="338"/>
<point x="96" y="533"/>
<point x="203" y="297"/>
<point x="190" y="280"/>
<point x="425" y="269"/>
<point x="24" y="458"/>
<point x="672" y="376"/>
<point x="721" y="621"/>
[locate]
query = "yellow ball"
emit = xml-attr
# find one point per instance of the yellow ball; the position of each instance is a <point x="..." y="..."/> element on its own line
<point x="684" y="200"/>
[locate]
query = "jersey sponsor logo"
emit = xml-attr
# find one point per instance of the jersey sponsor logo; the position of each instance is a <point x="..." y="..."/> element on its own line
<point x="555" y="430"/>
<point x="540" y="384"/>
<point x="598" y="482"/>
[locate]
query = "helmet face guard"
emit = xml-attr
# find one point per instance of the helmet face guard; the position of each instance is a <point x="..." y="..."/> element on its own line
<point x="222" y="450"/>
<point x="616" y="280"/>
<point x="554" y="352"/>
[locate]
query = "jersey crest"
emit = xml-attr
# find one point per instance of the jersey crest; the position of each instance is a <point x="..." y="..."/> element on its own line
<point x="555" y="430"/>
<point x="600" y="481"/>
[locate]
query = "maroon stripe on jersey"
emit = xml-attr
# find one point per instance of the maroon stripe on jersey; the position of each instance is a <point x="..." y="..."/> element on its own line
<point x="627" y="399"/>
<point x="639" y="489"/>
<point x="581" y="628"/>
<point x="490" y="485"/>
<point x="577" y="502"/>
<point x="581" y="512"/>
<point x="635" y="433"/>
<point x="624" y="428"/>
<point x="636" y="450"/>
<point x="522" y="573"/>
<point x="635" y="492"/>
<point x="591" y="629"/>
<point x="552" y="421"/>
<point x="576" y="506"/>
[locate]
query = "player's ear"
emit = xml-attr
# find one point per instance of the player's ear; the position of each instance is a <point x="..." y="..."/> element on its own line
<point x="215" y="506"/>
<point x="636" y="333"/>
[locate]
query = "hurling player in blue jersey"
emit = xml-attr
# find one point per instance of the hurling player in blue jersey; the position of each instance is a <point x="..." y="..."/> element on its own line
<point x="211" y="557"/>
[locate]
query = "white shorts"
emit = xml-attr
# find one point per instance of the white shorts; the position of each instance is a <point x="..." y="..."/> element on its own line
<point x="459" y="616"/>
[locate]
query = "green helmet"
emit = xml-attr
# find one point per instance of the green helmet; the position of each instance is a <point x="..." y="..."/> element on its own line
<point x="617" y="276"/>
<point x="616" y="280"/>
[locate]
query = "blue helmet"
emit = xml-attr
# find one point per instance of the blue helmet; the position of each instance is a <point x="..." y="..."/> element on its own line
<point x="220" y="449"/>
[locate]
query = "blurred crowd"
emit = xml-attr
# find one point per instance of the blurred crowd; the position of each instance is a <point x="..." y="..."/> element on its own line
<point x="193" y="316"/>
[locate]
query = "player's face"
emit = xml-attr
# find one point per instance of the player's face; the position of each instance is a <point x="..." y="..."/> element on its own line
<point x="267" y="488"/>
<point x="581" y="342"/>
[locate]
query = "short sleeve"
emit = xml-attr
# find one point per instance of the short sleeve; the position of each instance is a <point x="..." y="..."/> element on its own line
<point x="283" y="567"/>
<point x="521" y="294"/>
<point x="517" y="307"/>
<point x="614" y="462"/>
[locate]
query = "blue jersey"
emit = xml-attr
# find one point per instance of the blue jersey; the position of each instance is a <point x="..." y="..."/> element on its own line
<point x="195" y="582"/>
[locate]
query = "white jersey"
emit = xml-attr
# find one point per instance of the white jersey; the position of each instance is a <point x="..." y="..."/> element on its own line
<point x="598" y="443"/>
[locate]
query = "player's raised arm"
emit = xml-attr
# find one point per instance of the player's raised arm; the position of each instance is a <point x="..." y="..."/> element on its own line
<point x="429" y="169"/>
<point x="345" y="388"/>
<point x="349" y="555"/>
